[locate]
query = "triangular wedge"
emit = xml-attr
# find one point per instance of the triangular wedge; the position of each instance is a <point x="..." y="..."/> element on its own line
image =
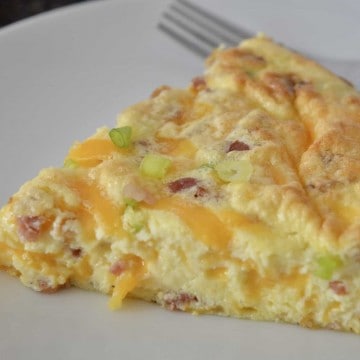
<point x="238" y="196"/>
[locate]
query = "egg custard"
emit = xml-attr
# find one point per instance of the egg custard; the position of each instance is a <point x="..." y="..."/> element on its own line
<point x="238" y="196"/>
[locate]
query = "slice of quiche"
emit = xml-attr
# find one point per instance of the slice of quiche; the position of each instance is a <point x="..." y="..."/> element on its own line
<point x="238" y="196"/>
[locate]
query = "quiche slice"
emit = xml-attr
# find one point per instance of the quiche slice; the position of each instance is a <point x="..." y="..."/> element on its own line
<point x="238" y="196"/>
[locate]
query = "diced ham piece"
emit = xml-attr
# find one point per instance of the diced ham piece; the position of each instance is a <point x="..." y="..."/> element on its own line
<point x="238" y="146"/>
<point x="178" y="301"/>
<point x="338" y="287"/>
<point x="137" y="192"/>
<point x="248" y="57"/>
<point x="76" y="252"/>
<point x="284" y="84"/>
<point x="159" y="90"/>
<point x="118" y="267"/>
<point x="333" y="326"/>
<point x="181" y="184"/>
<point x="47" y="289"/>
<point x="30" y="227"/>
<point x="199" y="83"/>
<point x="200" y="192"/>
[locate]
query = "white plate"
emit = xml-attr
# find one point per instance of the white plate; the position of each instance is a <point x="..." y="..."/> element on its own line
<point x="64" y="74"/>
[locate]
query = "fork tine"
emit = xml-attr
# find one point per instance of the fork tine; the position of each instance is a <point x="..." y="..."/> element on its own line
<point x="195" y="48"/>
<point x="197" y="29"/>
<point x="191" y="30"/>
<point x="235" y="30"/>
<point x="208" y="28"/>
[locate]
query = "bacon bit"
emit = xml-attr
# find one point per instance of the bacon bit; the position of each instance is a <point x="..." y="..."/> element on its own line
<point x="46" y="289"/>
<point x="338" y="287"/>
<point x="159" y="90"/>
<point x="181" y="184"/>
<point x="178" y="301"/>
<point x="143" y="142"/>
<point x="200" y="192"/>
<point x="76" y="252"/>
<point x="333" y="326"/>
<point x="178" y="117"/>
<point x="247" y="57"/>
<point x="285" y="85"/>
<point x="30" y="227"/>
<point x="134" y="190"/>
<point x="238" y="146"/>
<point x="118" y="267"/>
<point x="199" y="83"/>
<point x="186" y="183"/>
<point x="354" y="100"/>
<point x="281" y="84"/>
<point x="307" y="322"/>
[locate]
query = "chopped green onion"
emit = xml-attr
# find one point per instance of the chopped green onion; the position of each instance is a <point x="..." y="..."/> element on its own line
<point x="234" y="170"/>
<point x="326" y="265"/>
<point x="155" y="166"/>
<point x="70" y="164"/>
<point x="130" y="202"/>
<point x="135" y="228"/>
<point x="250" y="73"/>
<point x="207" y="166"/>
<point x="134" y="219"/>
<point x="121" y="137"/>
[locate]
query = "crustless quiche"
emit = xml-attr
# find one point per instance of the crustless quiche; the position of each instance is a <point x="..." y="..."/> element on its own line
<point x="238" y="196"/>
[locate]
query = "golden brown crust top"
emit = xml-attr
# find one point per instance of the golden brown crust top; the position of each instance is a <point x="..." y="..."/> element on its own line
<point x="294" y="89"/>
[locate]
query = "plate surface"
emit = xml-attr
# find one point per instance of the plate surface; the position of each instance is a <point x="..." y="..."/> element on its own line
<point x="70" y="71"/>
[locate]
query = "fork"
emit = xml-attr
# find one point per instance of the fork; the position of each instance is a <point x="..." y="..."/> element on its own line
<point x="201" y="31"/>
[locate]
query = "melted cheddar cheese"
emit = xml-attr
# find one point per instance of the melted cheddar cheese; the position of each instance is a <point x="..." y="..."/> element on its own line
<point x="203" y="223"/>
<point x="92" y="152"/>
<point x="95" y="207"/>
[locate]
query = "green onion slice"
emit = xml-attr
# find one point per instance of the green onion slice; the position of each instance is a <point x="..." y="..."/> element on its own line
<point x="207" y="166"/>
<point x="326" y="265"/>
<point x="70" y="164"/>
<point x="234" y="170"/>
<point x="131" y="202"/>
<point x="121" y="137"/>
<point x="155" y="166"/>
